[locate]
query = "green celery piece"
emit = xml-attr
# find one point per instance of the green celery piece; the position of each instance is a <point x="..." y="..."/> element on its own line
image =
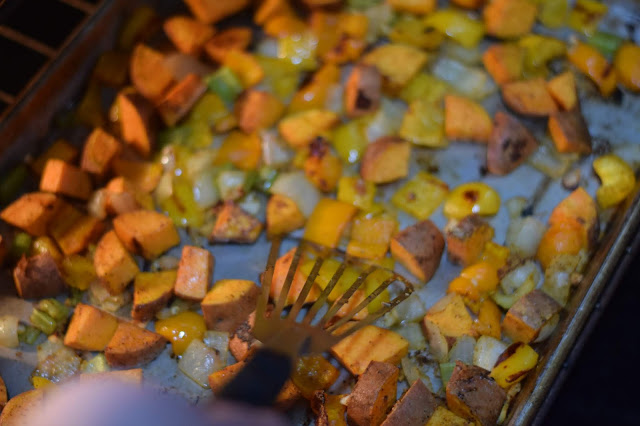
<point x="43" y="322"/>
<point x="28" y="335"/>
<point x="225" y="84"/>
<point x="606" y="43"/>
<point x="54" y="309"/>
<point x="446" y="370"/>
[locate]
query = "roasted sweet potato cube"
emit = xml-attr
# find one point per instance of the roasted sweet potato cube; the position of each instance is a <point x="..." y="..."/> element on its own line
<point x="472" y="394"/>
<point x="144" y="175"/>
<point x="123" y="196"/>
<point x="149" y="75"/>
<point x="509" y="18"/>
<point x="569" y="132"/>
<point x="112" y="68"/>
<point x="283" y="215"/>
<point x="90" y="328"/>
<point x="210" y="11"/>
<point x="414" y="408"/>
<point x="280" y="272"/>
<point x="466" y="119"/>
<point x="61" y="149"/>
<point x="419" y="248"/>
<point x="301" y="128"/>
<point x="195" y="272"/>
<point x="509" y="145"/>
<point x="179" y="100"/>
<point x="132" y="346"/>
<point x="529" y="97"/>
<point x="234" y="225"/>
<point x="373" y="395"/>
<point x="580" y="209"/>
<point x="532" y="317"/>
<point x="443" y="417"/>
<point x="37" y="277"/>
<point x="223" y="42"/>
<point x="385" y="160"/>
<point x="136" y="122"/>
<point x="362" y="91"/>
<point x="146" y="232"/>
<point x="151" y="292"/>
<point x="466" y="239"/>
<point x="257" y="109"/>
<point x="562" y="89"/>
<point x="187" y="34"/>
<point x="329" y="409"/>
<point x="115" y="267"/>
<point x="100" y="149"/>
<point x="63" y="178"/>
<point x="242" y="341"/>
<point x="505" y="62"/>
<point x="229" y="304"/>
<point x="73" y="230"/>
<point x="368" y="344"/>
<point x="132" y="376"/>
<point x="32" y="212"/>
<point x="451" y="316"/>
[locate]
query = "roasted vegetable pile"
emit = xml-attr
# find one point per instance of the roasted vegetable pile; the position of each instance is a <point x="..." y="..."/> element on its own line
<point x="310" y="122"/>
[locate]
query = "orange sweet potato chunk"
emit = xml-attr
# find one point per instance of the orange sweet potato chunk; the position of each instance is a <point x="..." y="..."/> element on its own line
<point x="466" y="119"/>
<point x="195" y="272"/>
<point x="90" y="328"/>
<point x="115" y="267"/>
<point x="146" y="232"/>
<point x="32" y="212"/>
<point x="74" y="230"/>
<point x="136" y="122"/>
<point x="177" y="103"/>
<point x="187" y="34"/>
<point x="504" y="62"/>
<point x="529" y="97"/>
<point x="210" y="11"/>
<point x="63" y="178"/>
<point x="149" y="75"/>
<point x="225" y="41"/>
<point x="99" y="150"/>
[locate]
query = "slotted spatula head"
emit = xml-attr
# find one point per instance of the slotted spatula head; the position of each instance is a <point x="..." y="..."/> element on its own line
<point x="296" y="332"/>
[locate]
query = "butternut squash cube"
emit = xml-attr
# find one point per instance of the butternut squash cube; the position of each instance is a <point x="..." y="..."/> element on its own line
<point x="73" y="230"/>
<point x="529" y="97"/>
<point x="373" y="395"/>
<point x="187" y="34"/>
<point x="90" y="328"/>
<point x="301" y="128"/>
<point x="63" y="178"/>
<point x="256" y="109"/>
<point x="419" y="248"/>
<point x="229" y="303"/>
<point x="211" y="11"/>
<point x="151" y="292"/>
<point x="328" y="221"/>
<point x="32" y="212"/>
<point x="563" y="90"/>
<point x="136" y="122"/>
<point x="385" y="160"/>
<point x="179" y="100"/>
<point x="283" y="215"/>
<point x="509" y="18"/>
<point x="99" y="150"/>
<point x="322" y="167"/>
<point x="235" y="225"/>
<point x="371" y="236"/>
<point x="280" y="272"/>
<point x="451" y="316"/>
<point x="194" y="273"/>
<point x="146" y="232"/>
<point x="466" y="239"/>
<point x="114" y="265"/>
<point x="466" y="119"/>
<point x="532" y="317"/>
<point x="132" y="346"/>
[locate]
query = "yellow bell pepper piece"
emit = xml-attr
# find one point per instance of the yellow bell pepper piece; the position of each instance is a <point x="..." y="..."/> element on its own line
<point x="357" y="191"/>
<point x="591" y="62"/>
<point x="415" y="32"/>
<point x="553" y="13"/>
<point x="350" y="140"/>
<point x="472" y="197"/>
<point x="421" y="195"/>
<point x="515" y="368"/>
<point x="457" y="25"/>
<point x="41" y="382"/>
<point x="627" y="65"/>
<point x="423" y="124"/>
<point x="182" y="207"/>
<point x="495" y="254"/>
<point x="618" y="180"/>
<point x="538" y="51"/>
<point x="245" y="66"/>
<point x="426" y="87"/>
<point x="241" y="150"/>
<point x="371" y="236"/>
<point x="280" y="76"/>
<point x="328" y="221"/>
<point x="210" y="109"/>
<point x="181" y="329"/>
<point x="78" y="271"/>
<point x="299" y="50"/>
<point x="373" y="281"/>
<point x="475" y="281"/>
<point x="586" y="15"/>
<point x="314" y="94"/>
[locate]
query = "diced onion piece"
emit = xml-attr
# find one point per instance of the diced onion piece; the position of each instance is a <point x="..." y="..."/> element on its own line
<point x="410" y="310"/>
<point x="198" y="361"/>
<point x="387" y="120"/>
<point x="334" y="100"/>
<point x="515" y="206"/>
<point x="102" y="299"/>
<point x="165" y="263"/>
<point x="267" y="46"/>
<point x="438" y="345"/>
<point x="517" y="277"/>
<point x="469" y="81"/>
<point x="57" y="362"/>
<point x="97" y="204"/>
<point x="274" y="151"/>
<point x="487" y="351"/>
<point x="380" y="18"/>
<point x="219" y="342"/>
<point x="164" y="190"/>
<point x="524" y="235"/>
<point x="468" y="56"/>
<point x="550" y="162"/>
<point x="413" y="333"/>
<point x="547" y="328"/>
<point x="296" y="186"/>
<point x="199" y="162"/>
<point x="463" y="350"/>
<point x="205" y="193"/>
<point x="9" y="331"/>
<point x="231" y="184"/>
<point x="97" y="364"/>
<point x="251" y="204"/>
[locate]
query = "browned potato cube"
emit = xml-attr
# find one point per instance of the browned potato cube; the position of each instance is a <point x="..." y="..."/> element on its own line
<point x="472" y="394"/>
<point x="32" y="212"/>
<point x="532" y="318"/>
<point x="74" y="230"/>
<point x="362" y="91"/>
<point x="151" y="292"/>
<point x="414" y="408"/>
<point x="62" y="178"/>
<point x="149" y="75"/>
<point x="234" y="225"/>
<point x="132" y="346"/>
<point x="136" y="122"/>
<point x="210" y="11"/>
<point x="37" y="277"/>
<point x="99" y="150"/>
<point x="256" y="109"/>
<point x="194" y="273"/>
<point x="386" y="160"/>
<point x="222" y="43"/>
<point x="229" y="304"/>
<point x="419" y="248"/>
<point x="177" y="103"/>
<point x="115" y="267"/>
<point x="146" y="232"/>
<point x="569" y="132"/>
<point x="187" y="34"/>
<point x="466" y="239"/>
<point x="283" y="215"/>
<point x="509" y="145"/>
<point x="90" y="329"/>
<point x="373" y="395"/>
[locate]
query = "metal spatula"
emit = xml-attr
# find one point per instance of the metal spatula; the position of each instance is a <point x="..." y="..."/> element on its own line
<point x="289" y="333"/>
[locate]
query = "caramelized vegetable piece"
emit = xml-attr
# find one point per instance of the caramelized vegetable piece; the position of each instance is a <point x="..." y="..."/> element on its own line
<point x="627" y="65"/>
<point x="136" y="122"/>
<point x="301" y="128"/>
<point x="223" y="42"/>
<point x="149" y="74"/>
<point x="590" y="61"/>
<point x="313" y="373"/>
<point x="514" y="364"/>
<point x="373" y="395"/>
<point x="283" y="215"/>
<point x="113" y="264"/>
<point x="322" y="168"/>
<point x="466" y="119"/>
<point x="90" y="329"/>
<point x="457" y="25"/>
<point x="32" y="212"/>
<point x="146" y="232"/>
<point x="228" y="304"/>
<point x="386" y="160"/>
<point x="566" y="239"/>
<point x="618" y="180"/>
<point x="421" y="196"/>
<point x="179" y="100"/>
<point x="73" y="230"/>
<point x="210" y="11"/>
<point x="280" y="272"/>
<point x="578" y="209"/>
<point x="387" y="57"/>
<point x="256" y="110"/>
<point x="562" y="89"/>
<point x="328" y="221"/>
<point x="234" y="225"/>
<point x="467" y="238"/>
<point x="132" y="346"/>
<point x="371" y="343"/>
<point x="329" y="410"/>
<point x="242" y="341"/>
<point x="99" y="150"/>
<point x="569" y="132"/>
<point x="414" y="408"/>
<point x="61" y="149"/>
<point x="419" y="249"/>
<point x="63" y="178"/>
<point x="371" y="236"/>
<point x="362" y="91"/>
<point x="187" y="34"/>
<point x="505" y="62"/>
<point x="529" y="97"/>
<point x="472" y="394"/>
<point x="37" y="277"/>
<point x="509" y="18"/>
<point x="532" y="317"/>
<point x="151" y="292"/>
<point x="443" y="417"/>
<point x="509" y="146"/>
<point x="195" y="272"/>
<point x="450" y="315"/>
